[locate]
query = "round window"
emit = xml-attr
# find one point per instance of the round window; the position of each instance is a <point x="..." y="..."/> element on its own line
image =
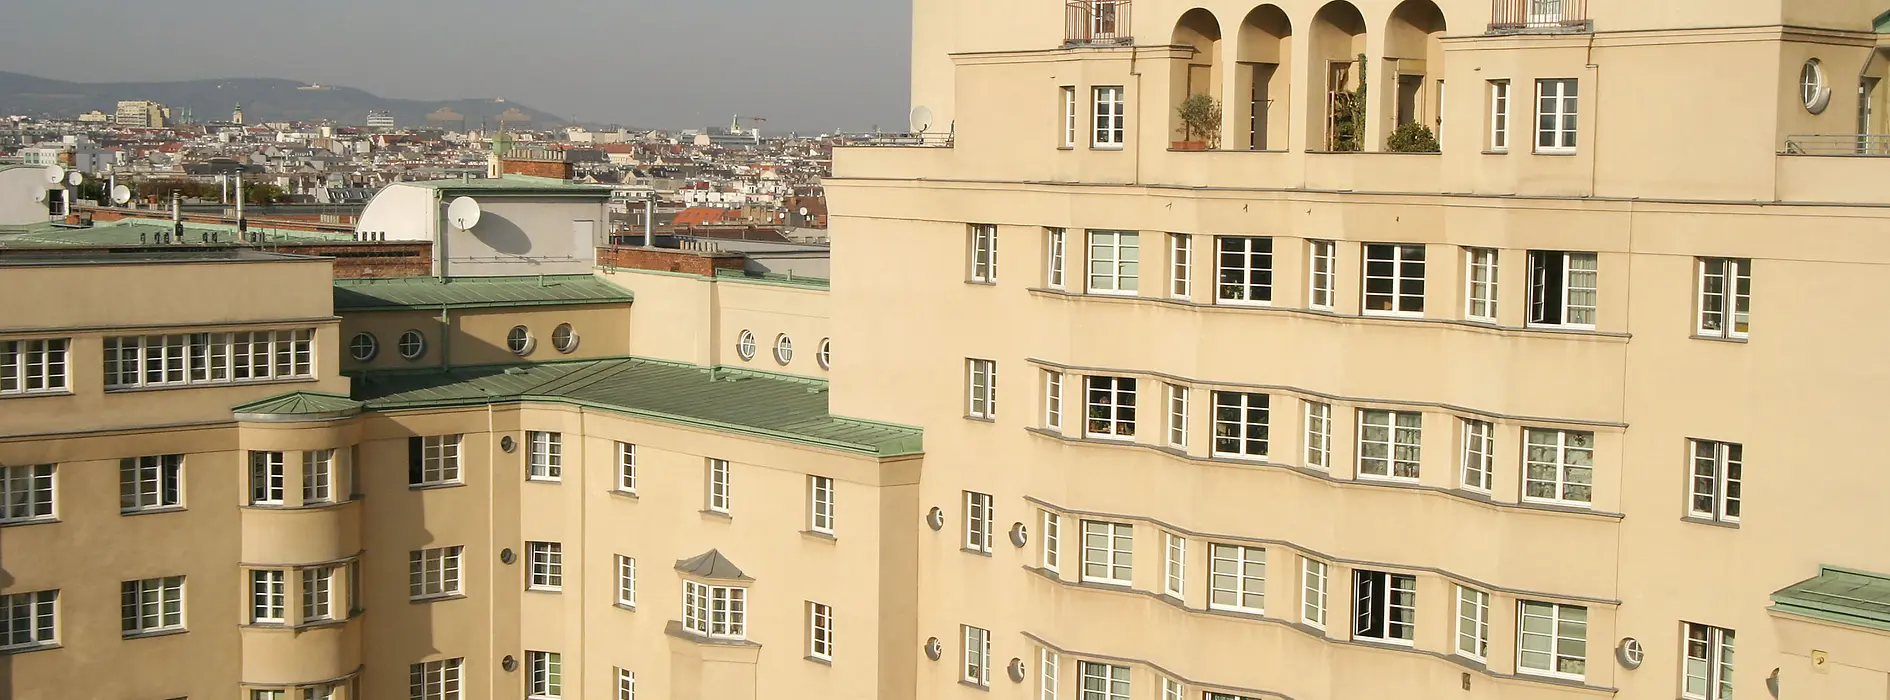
<point x="564" y="339"/>
<point x="745" y="345"/>
<point x="1812" y="88"/>
<point x="363" y="347"/>
<point x="520" y="341"/>
<point x="412" y="345"/>
<point x="783" y="349"/>
<point x="825" y="356"/>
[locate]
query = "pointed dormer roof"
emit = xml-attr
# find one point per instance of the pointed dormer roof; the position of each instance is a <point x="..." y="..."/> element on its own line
<point x="712" y="565"/>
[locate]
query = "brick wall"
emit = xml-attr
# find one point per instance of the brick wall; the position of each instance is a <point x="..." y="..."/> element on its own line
<point x="363" y="260"/>
<point x="538" y="168"/>
<point x="668" y="260"/>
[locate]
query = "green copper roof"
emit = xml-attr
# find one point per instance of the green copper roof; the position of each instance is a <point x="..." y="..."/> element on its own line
<point x="1882" y="23"/>
<point x="774" y="278"/>
<point x="145" y="232"/>
<point x="1839" y="595"/>
<point x="474" y="292"/>
<point x="513" y="184"/>
<point x="765" y="405"/>
<point x="301" y="405"/>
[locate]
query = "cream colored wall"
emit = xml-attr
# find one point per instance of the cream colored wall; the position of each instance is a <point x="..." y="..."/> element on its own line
<point x="688" y="318"/>
<point x="478" y="336"/>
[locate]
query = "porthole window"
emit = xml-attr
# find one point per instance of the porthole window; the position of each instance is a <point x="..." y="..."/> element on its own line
<point x="783" y="349"/>
<point x="825" y="356"/>
<point x="1812" y="87"/>
<point x="413" y="345"/>
<point x="745" y="345"/>
<point x="363" y="347"/>
<point x="564" y="339"/>
<point x="520" y="341"/>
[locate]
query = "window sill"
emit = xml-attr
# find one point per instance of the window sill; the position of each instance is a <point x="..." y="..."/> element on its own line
<point x="818" y="660"/>
<point x="1106" y="147"/>
<point x="1114" y="585"/>
<point x="318" y="624"/>
<point x="981" y="419"/>
<point x="152" y="511"/>
<point x="620" y="493"/>
<point x="1238" y="302"/>
<point x="1721" y="338"/>
<point x="208" y="385"/>
<point x="1704" y="521"/>
<point x="544" y="589"/>
<point x="1418" y="315"/>
<point x="153" y="633"/>
<point x="320" y="505"/>
<point x="35" y="395"/>
<point x="620" y="605"/>
<point x="1554" y="153"/>
<point x="266" y="626"/>
<point x="1239" y="612"/>
<point x="30" y="648"/>
<point x="675" y="629"/>
<point x="1494" y="152"/>
<point x="544" y="480"/>
<point x="822" y="536"/>
<point x="1066" y="148"/>
<point x="1398" y="644"/>
<point x="31" y="522"/>
<point x="716" y="515"/>
<point x="1328" y="313"/>
<point x="437" y="598"/>
<point x="978" y="552"/>
<point x="436" y="487"/>
<point x="1361" y="476"/>
<point x="982" y="283"/>
<point x="1559" y="506"/>
<point x="974" y="686"/>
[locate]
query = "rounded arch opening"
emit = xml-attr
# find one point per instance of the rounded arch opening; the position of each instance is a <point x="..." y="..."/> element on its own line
<point x="1199" y="74"/>
<point x="1414" y="59"/>
<point x="1338" y="48"/>
<point x="1263" y="80"/>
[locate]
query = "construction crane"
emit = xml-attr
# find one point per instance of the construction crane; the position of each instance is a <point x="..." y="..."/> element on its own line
<point x="735" y="124"/>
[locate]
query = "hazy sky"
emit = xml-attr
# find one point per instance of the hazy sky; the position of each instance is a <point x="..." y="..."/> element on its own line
<point x="810" y="66"/>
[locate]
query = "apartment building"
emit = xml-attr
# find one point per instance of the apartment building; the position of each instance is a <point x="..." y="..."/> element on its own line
<point x="141" y="113"/>
<point x="1475" y="349"/>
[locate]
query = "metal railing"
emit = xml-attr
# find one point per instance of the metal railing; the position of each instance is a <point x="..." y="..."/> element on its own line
<point x="1096" y="23"/>
<point x="927" y="139"/>
<point x="1540" y="17"/>
<point x="1837" y="145"/>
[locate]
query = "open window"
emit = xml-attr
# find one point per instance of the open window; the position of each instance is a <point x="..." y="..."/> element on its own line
<point x="1384" y="606"/>
<point x="1562" y="289"/>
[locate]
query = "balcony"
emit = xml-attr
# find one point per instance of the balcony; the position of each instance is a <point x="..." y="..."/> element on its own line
<point x="1838" y="168"/>
<point x="1096" y="23"/>
<point x="1837" y="145"/>
<point x="1540" y="17"/>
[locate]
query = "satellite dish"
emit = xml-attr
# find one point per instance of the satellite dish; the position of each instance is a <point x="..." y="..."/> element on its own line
<point x="75" y="178"/>
<point x="55" y="175"/>
<point x="121" y="194"/>
<point x="803" y="211"/>
<point x="921" y="119"/>
<point x="463" y="213"/>
<point x="39" y="196"/>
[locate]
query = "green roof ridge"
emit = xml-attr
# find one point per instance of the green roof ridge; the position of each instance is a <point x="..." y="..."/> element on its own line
<point x="476" y="292"/>
<point x="301" y="405"/>
<point x="1838" y="594"/>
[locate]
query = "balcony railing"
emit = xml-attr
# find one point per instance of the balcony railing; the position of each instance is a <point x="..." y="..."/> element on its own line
<point x="1096" y="23"/>
<point x="1540" y="17"/>
<point x="1838" y="145"/>
<point x="928" y="139"/>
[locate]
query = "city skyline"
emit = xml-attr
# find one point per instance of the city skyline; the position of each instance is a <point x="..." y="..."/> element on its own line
<point x="804" y="68"/>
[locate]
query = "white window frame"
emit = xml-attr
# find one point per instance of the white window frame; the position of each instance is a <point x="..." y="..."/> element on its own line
<point x="1395" y="431"/>
<point x="156" y="605"/>
<point x="209" y="358"/>
<point x="435" y="680"/>
<point x="1473" y="623"/>
<point x="1178" y="416"/>
<point x="434" y="572"/>
<point x="545" y="455"/>
<point x="981" y="388"/>
<point x="627" y="468"/>
<point x="150" y="483"/>
<point x="29" y="619"/>
<point x="1242" y="420"/>
<point x="1564" y="301"/>
<point x="1174" y="565"/>
<point x="1047" y="667"/>
<point x="545" y="678"/>
<point x="820" y="503"/>
<point x="1723" y="280"/>
<point x="1109" y="550"/>
<point x="1499" y="116"/>
<point x="1479" y="296"/>
<point x="318" y="476"/>
<point x="1052" y="399"/>
<point x="546" y="560"/>
<point x="1557" y="106"/>
<point x="626" y="581"/>
<point x="1239" y="571"/>
<point x="1056" y="255"/>
<point x="1114" y="680"/>
<point x="1322" y="281"/>
<point x="35" y="366"/>
<point x="1109" y="128"/>
<point x="318" y="601"/>
<point x="1107" y="396"/>
<point x="626" y="684"/>
<point x="1559" y="618"/>
<point x="1071" y="117"/>
<point x="439" y="460"/>
<point x="1180" y="266"/>
<point x="820" y="631"/>
<point x="29" y="493"/>
<point x="1717" y="478"/>
<point x="268" y="596"/>
<point x="1706" y="658"/>
<point x="1114" y="262"/>
<point x="1381" y="600"/>
<point x="1315" y="586"/>
<point x="1248" y="282"/>
<point x="717" y="612"/>
<point x="1478" y="465"/>
<point x="1319" y="435"/>
<point x="1562" y="454"/>
<point x="1052" y="541"/>
<point x="976" y="668"/>
<point x="267" y="473"/>
<point x="1173" y="690"/>
<point x="1408" y="262"/>
<point x="984" y="252"/>
<point x="721" y="486"/>
<point x="978" y="518"/>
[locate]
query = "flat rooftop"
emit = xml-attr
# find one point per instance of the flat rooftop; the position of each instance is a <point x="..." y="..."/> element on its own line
<point x="511" y="184"/>
<point x="140" y="257"/>
<point x="750" y="403"/>
<point x="143" y="231"/>
<point x="402" y="293"/>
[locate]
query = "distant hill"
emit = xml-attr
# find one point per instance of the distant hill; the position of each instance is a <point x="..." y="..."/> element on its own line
<point x="263" y="100"/>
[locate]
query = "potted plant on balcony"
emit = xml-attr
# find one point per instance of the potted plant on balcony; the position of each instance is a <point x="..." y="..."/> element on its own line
<point x="1200" y="116"/>
<point x="1412" y="137"/>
